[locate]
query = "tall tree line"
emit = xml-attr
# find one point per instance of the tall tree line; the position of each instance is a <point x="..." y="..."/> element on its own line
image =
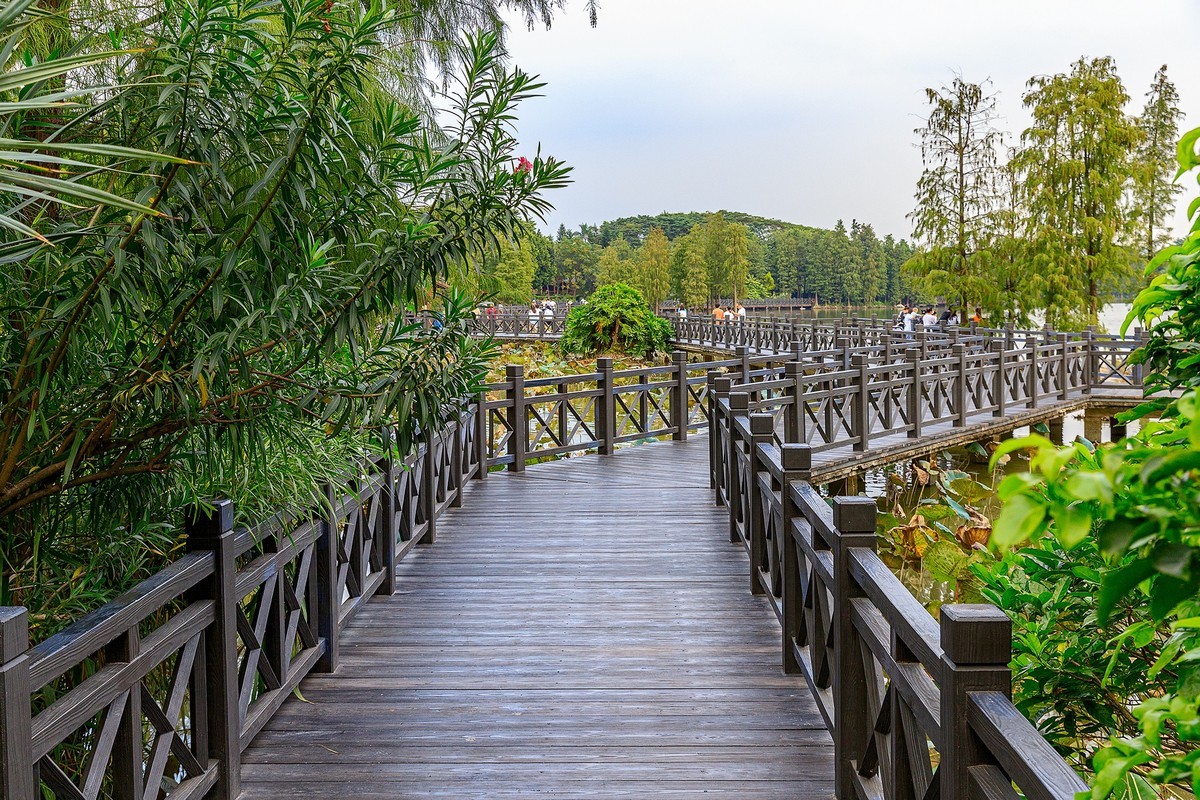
<point x="1063" y="221"/>
<point x="699" y="259"/>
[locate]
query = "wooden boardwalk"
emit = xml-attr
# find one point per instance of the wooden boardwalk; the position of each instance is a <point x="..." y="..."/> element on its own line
<point x="582" y="630"/>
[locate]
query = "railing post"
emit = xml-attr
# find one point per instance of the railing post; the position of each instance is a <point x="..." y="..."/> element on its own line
<point x="718" y="385"/>
<point x="742" y="353"/>
<point x="482" y="436"/>
<point x="16" y="715"/>
<point x="211" y="530"/>
<point x="428" y="497"/>
<point x="793" y="414"/>
<point x="860" y="402"/>
<point x="325" y="584"/>
<point x="959" y="351"/>
<point x="1031" y="377"/>
<point x="913" y="357"/>
<point x="679" y="397"/>
<point x="976" y="647"/>
<point x="518" y="422"/>
<point x="999" y="380"/>
<point x="739" y="405"/>
<point x="842" y="345"/>
<point x="387" y="542"/>
<point x="854" y="521"/>
<point x="1139" y="375"/>
<point x="1063" y="388"/>
<point x="606" y="413"/>
<point x="1089" y="361"/>
<point x="762" y="430"/>
<point x="797" y="466"/>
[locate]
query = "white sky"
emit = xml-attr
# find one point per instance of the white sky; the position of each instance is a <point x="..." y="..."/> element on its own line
<point x="804" y="111"/>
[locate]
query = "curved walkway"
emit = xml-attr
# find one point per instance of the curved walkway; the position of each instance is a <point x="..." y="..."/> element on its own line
<point x="581" y="630"/>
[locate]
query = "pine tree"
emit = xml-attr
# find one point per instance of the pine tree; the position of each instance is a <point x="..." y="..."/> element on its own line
<point x="956" y="193"/>
<point x="654" y="267"/>
<point x="1154" y="189"/>
<point x="1076" y="162"/>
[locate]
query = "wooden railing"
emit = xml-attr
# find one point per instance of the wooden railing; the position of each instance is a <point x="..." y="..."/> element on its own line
<point x="157" y="693"/>
<point x="1107" y="362"/>
<point x="917" y="707"/>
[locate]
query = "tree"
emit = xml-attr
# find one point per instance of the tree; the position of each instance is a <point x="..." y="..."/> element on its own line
<point x="691" y="271"/>
<point x="1011" y="293"/>
<point x="653" y="266"/>
<point x="956" y="192"/>
<point x="240" y="328"/>
<point x="1076" y="162"/>
<point x="616" y="265"/>
<point x="513" y="271"/>
<point x="575" y="261"/>
<point x="1154" y="188"/>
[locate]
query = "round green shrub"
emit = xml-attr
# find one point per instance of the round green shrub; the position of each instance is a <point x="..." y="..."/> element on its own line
<point x="615" y="318"/>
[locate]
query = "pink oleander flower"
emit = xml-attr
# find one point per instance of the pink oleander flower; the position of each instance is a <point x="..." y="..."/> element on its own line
<point x="524" y="166"/>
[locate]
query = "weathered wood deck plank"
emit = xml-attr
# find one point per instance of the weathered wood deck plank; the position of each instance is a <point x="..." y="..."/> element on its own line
<point x="579" y="630"/>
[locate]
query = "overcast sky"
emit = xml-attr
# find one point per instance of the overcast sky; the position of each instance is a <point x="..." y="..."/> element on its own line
<point x="799" y="110"/>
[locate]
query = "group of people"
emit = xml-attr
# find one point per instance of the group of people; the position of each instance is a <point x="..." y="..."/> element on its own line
<point x="911" y="316"/>
<point x="721" y="314"/>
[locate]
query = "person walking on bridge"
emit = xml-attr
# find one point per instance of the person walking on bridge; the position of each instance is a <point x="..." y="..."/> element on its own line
<point x="718" y="314"/>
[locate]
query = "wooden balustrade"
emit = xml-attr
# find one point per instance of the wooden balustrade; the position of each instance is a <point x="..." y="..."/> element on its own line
<point x="917" y="707"/>
<point x="166" y="685"/>
<point x="157" y="693"/>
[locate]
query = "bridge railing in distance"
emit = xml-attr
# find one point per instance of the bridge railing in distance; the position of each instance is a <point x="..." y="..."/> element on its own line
<point x="917" y="707"/>
<point x="1107" y="355"/>
<point x="158" y="692"/>
<point x="524" y="418"/>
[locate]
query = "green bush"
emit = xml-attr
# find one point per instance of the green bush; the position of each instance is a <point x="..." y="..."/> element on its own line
<point x="615" y="318"/>
<point x="1114" y="567"/>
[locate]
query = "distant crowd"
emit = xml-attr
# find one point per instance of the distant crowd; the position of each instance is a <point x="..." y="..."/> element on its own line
<point x="911" y="317"/>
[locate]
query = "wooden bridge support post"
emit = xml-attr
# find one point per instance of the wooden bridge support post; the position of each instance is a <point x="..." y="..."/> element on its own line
<point x="739" y="406"/>
<point x="211" y="530"/>
<point x="959" y="351"/>
<point x="518" y="419"/>
<point x="679" y="397"/>
<point x="762" y="431"/>
<point x="1117" y="430"/>
<point x="842" y="345"/>
<point x="860" y="402"/>
<point x="854" y="523"/>
<point x="1064" y="390"/>
<point x="999" y="381"/>
<point x="743" y="354"/>
<point x="976" y="646"/>
<point x="797" y="466"/>
<point x="16" y="717"/>
<point x="913" y="357"/>
<point x="606" y="412"/>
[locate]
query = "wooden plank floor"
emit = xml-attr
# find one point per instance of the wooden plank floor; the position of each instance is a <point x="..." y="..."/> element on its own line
<point x="584" y="630"/>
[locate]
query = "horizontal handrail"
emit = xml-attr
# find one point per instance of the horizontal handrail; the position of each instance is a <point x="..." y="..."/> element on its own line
<point x="909" y="700"/>
<point x="212" y="644"/>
